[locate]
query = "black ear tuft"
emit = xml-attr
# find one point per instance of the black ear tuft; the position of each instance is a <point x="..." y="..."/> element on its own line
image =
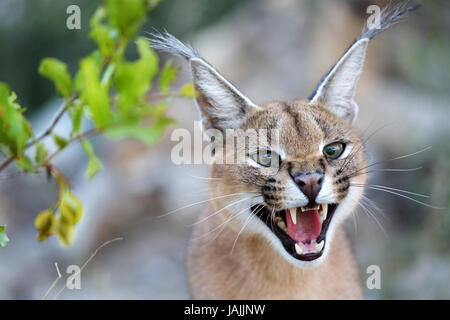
<point x="336" y="89"/>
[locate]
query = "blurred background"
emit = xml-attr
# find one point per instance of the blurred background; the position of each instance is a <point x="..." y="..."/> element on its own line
<point x="271" y="50"/>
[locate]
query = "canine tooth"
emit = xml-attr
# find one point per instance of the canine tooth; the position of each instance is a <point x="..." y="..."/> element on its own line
<point x="319" y="246"/>
<point x="298" y="249"/>
<point x="293" y="212"/>
<point x="323" y="212"/>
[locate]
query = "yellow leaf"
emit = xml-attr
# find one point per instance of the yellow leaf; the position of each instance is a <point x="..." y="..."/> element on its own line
<point x="65" y="232"/>
<point x="71" y="208"/>
<point x="45" y="224"/>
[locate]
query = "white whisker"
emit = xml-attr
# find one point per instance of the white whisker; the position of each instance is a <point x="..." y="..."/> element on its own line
<point x="200" y="202"/>
<point x="372" y="204"/>
<point x="412" y="154"/>
<point x="252" y="215"/>
<point x="370" y="213"/>
<point x="215" y="213"/>
<point x="222" y="224"/>
<point x="394" y="189"/>
<point x="397" y="170"/>
<point x="406" y="197"/>
<point x="200" y="177"/>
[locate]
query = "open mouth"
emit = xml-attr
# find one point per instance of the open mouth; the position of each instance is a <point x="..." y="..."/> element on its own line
<point x="302" y="230"/>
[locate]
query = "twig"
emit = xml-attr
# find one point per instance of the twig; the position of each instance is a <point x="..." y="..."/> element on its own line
<point x="51" y="288"/>
<point x="52" y="125"/>
<point x="47" y="131"/>
<point x="6" y="162"/>
<point x="81" y="269"/>
<point x="82" y="136"/>
<point x="55" y="121"/>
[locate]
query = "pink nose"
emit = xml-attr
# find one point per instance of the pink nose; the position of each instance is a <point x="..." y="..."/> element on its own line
<point x="309" y="183"/>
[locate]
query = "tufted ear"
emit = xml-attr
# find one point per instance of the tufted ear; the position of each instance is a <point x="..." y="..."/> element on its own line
<point x="221" y="105"/>
<point x="337" y="88"/>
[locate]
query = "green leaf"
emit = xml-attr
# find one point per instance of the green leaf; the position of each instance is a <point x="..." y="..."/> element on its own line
<point x="25" y="163"/>
<point x="107" y="75"/>
<point x="15" y="131"/>
<point x="3" y="237"/>
<point x="45" y="224"/>
<point x="168" y="75"/>
<point x="76" y="114"/>
<point x="126" y="16"/>
<point x="103" y="34"/>
<point x="132" y="80"/>
<point x="95" y="95"/>
<point x="60" y="141"/>
<point x="57" y="71"/>
<point x="94" y="164"/>
<point x="41" y="154"/>
<point x="70" y="208"/>
<point x="148" y="134"/>
<point x="188" y="91"/>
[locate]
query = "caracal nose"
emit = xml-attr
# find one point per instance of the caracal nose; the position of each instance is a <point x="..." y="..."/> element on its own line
<point x="309" y="183"/>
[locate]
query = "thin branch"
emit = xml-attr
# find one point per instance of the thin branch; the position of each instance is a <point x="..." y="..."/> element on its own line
<point x="53" y="124"/>
<point x="6" y="162"/>
<point x="51" y="288"/>
<point x="88" y="134"/>
<point x="81" y="269"/>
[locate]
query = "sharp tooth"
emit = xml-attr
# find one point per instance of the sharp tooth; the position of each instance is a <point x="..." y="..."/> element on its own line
<point x="323" y="212"/>
<point x="303" y="209"/>
<point x="298" y="249"/>
<point x="319" y="246"/>
<point x="293" y="212"/>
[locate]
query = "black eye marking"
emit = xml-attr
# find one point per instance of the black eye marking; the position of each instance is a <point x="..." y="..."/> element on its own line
<point x="289" y="166"/>
<point x="344" y="189"/>
<point x="322" y="164"/>
<point x="341" y="180"/>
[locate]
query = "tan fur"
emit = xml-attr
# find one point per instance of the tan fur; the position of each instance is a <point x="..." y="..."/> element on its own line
<point x="254" y="269"/>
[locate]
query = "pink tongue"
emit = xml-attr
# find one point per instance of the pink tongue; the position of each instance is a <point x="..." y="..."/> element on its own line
<point x="308" y="225"/>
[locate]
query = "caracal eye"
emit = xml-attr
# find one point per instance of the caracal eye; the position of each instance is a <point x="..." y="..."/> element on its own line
<point x="333" y="150"/>
<point x="264" y="157"/>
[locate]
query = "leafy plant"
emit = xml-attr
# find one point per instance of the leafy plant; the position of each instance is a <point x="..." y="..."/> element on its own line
<point x="108" y="94"/>
<point x="3" y="237"/>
